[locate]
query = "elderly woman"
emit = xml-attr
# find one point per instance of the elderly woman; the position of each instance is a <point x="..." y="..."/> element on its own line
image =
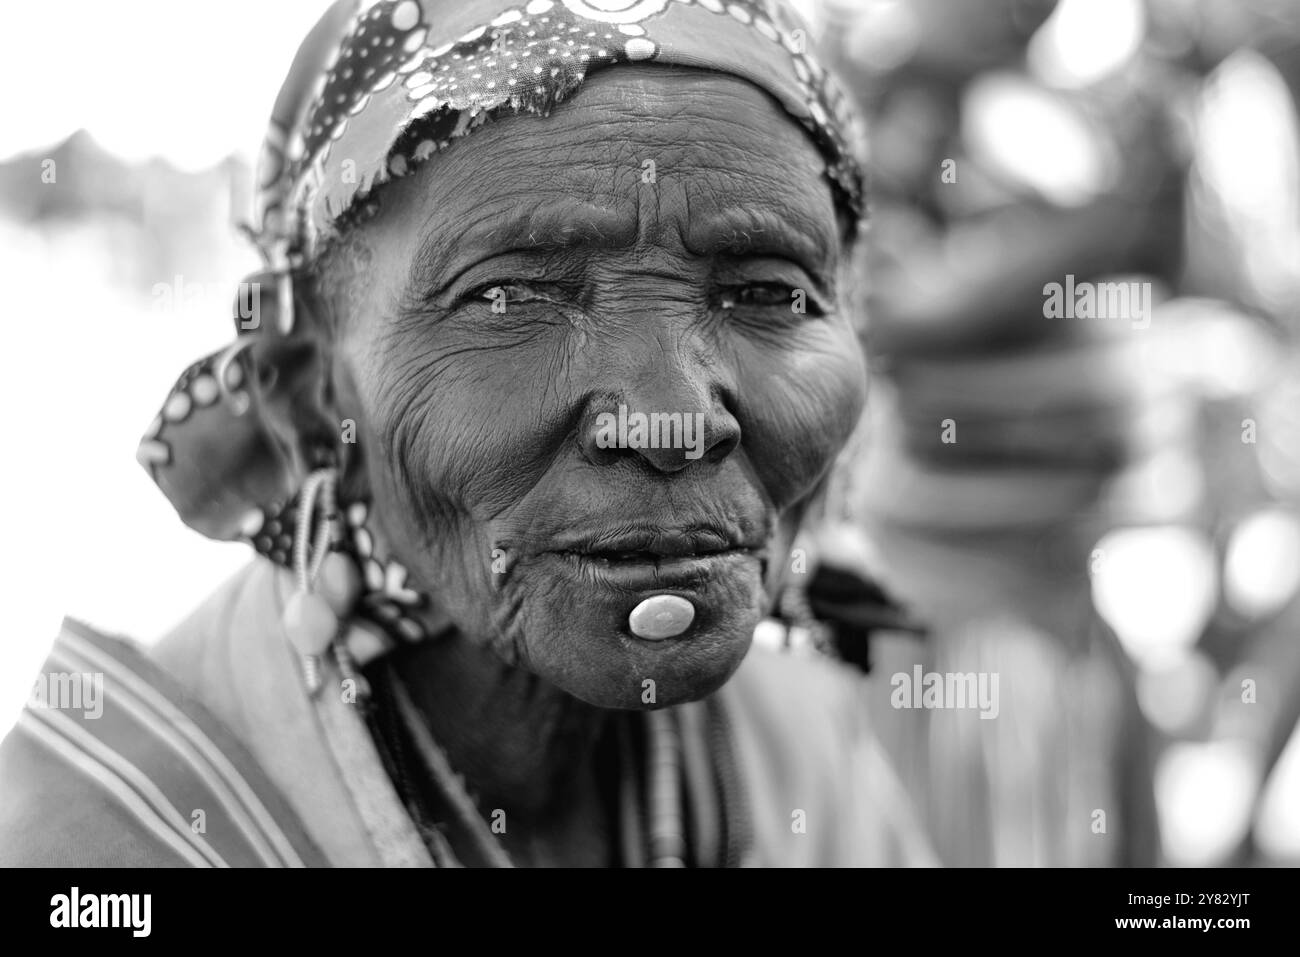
<point x="545" y="369"/>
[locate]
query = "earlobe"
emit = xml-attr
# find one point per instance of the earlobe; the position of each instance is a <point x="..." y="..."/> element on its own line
<point x="292" y="379"/>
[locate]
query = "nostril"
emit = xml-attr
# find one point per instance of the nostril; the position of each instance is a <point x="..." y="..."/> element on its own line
<point x="593" y="440"/>
<point x="668" y="440"/>
<point x="724" y="445"/>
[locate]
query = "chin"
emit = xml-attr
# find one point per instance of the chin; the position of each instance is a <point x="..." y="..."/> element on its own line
<point x="568" y="624"/>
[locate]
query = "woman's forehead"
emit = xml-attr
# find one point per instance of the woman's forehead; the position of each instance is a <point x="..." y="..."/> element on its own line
<point x="702" y="155"/>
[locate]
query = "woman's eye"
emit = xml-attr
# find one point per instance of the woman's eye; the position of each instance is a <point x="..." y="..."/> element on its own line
<point x="507" y="293"/>
<point x="501" y="297"/>
<point x="768" y="295"/>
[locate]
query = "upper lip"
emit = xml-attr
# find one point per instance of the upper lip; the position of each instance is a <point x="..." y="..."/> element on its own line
<point x="648" y="544"/>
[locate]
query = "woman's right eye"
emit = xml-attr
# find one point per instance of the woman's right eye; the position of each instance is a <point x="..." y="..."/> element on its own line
<point x="502" y="294"/>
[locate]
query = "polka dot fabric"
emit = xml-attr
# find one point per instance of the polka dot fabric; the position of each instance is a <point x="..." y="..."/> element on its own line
<point x="403" y="78"/>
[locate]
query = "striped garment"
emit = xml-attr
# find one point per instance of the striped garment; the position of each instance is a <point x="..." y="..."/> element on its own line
<point x="205" y="751"/>
<point x="152" y="780"/>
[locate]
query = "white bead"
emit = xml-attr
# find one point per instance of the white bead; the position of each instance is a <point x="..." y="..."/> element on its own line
<point x="663" y="616"/>
<point x="251" y="523"/>
<point x="177" y="407"/>
<point x="204" y="390"/>
<point x="339" y="583"/>
<point x="309" y="622"/>
<point x="152" y="452"/>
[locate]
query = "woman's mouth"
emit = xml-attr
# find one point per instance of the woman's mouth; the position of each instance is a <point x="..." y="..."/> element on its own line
<point x="642" y="571"/>
<point x="652" y="560"/>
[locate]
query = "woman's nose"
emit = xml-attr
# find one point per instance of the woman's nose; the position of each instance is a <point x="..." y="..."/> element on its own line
<point x="667" y="417"/>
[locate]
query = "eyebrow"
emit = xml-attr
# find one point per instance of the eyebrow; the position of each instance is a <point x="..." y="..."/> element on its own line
<point x="550" y="227"/>
<point x="754" y="231"/>
<point x="545" y="228"/>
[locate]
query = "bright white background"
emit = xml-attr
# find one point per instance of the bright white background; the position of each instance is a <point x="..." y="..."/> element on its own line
<point x="87" y="359"/>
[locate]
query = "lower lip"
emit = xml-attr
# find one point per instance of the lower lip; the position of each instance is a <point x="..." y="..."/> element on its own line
<point x="637" y="576"/>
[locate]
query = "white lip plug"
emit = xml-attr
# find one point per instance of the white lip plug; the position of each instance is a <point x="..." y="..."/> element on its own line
<point x="661" y="616"/>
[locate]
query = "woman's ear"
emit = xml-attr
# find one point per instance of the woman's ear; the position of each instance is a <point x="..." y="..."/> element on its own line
<point x="243" y="427"/>
<point x="351" y="431"/>
<point x="292" y="382"/>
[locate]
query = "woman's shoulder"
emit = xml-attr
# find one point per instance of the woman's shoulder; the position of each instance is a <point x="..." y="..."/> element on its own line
<point x="72" y="795"/>
<point x="800" y="695"/>
<point x="113" y="764"/>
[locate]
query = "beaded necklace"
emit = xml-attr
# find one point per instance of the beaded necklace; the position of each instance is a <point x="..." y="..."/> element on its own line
<point x="409" y="750"/>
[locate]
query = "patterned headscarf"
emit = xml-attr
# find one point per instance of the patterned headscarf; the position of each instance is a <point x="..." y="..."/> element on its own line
<point x="377" y="87"/>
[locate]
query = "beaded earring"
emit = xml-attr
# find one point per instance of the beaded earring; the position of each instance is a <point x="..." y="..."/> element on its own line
<point x="312" y="619"/>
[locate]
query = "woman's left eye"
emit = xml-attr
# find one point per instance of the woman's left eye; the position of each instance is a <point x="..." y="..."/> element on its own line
<point x="767" y="294"/>
<point x="508" y="292"/>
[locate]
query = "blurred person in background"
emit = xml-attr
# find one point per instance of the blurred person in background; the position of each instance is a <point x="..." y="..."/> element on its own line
<point x="1052" y="491"/>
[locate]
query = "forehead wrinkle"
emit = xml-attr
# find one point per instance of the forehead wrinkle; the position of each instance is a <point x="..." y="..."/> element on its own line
<point x="534" y="162"/>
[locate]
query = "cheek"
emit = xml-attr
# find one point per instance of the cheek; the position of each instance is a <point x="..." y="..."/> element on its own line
<point x="433" y="459"/>
<point x="800" y="403"/>
<point x="464" y="425"/>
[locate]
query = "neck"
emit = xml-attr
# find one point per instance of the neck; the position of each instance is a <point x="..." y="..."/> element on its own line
<point x="521" y="744"/>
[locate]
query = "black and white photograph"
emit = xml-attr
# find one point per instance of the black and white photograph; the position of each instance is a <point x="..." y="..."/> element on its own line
<point x="767" y="434"/>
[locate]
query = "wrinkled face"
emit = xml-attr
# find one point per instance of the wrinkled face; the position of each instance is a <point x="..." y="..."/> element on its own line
<point x="596" y="357"/>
